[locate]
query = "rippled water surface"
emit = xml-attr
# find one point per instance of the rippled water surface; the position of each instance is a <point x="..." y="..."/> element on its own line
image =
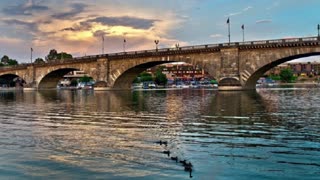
<point x="266" y="134"/>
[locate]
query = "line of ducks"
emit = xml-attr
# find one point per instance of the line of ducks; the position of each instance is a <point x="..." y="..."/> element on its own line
<point x="187" y="165"/>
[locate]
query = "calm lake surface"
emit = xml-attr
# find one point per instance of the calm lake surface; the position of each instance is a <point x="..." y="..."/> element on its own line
<point x="266" y="134"/>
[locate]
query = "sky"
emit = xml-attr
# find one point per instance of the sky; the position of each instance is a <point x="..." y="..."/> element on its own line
<point x="81" y="27"/>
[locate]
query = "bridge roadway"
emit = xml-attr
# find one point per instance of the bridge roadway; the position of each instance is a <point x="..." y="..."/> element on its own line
<point x="236" y="66"/>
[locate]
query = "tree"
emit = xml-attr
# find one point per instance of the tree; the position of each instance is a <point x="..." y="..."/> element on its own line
<point x="85" y="79"/>
<point x="64" y="55"/>
<point x="286" y="75"/>
<point x="143" y="77"/>
<point x="53" y="54"/>
<point x="39" y="61"/>
<point x="160" y="78"/>
<point x="74" y="83"/>
<point x="5" y="59"/>
<point x="12" y="62"/>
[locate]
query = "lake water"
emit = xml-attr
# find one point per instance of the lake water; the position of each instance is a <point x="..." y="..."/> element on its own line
<point x="266" y="134"/>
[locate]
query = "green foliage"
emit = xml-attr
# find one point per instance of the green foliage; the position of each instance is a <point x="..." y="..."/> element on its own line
<point x="39" y="61"/>
<point x="54" y="55"/>
<point x="286" y="75"/>
<point x="64" y="55"/>
<point x="6" y="61"/>
<point x="275" y="77"/>
<point x="143" y="77"/>
<point x="160" y="78"/>
<point x="85" y="79"/>
<point x="213" y="81"/>
<point x="12" y="62"/>
<point x="74" y="82"/>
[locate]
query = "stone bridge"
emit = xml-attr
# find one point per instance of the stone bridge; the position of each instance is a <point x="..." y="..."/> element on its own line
<point x="236" y="66"/>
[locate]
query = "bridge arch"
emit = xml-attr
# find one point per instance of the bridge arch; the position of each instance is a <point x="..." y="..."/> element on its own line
<point x="125" y="79"/>
<point x="11" y="80"/>
<point x="124" y="71"/>
<point x="52" y="79"/>
<point x="259" y="72"/>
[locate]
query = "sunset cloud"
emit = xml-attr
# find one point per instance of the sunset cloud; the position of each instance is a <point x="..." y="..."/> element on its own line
<point x="76" y="26"/>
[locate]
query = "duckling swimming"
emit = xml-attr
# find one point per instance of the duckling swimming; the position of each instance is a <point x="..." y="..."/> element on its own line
<point x="166" y="152"/>
<point x="162" y="142"/>
<point x="184" y="162"/>
<point x="175" y="158"/>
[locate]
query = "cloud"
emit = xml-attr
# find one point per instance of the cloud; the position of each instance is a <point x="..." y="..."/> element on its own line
<point x="234" y="14"/>
<point x="26" y="9"/>
<point x="247" y="8"/>
<point x="30" y="26"/>
<point x="240" y="12"/>
<point x="262" y="21"/>
<point x="76" y="8"/>
<point x="135" y="22"/>
<point x="13" y="41"/>
<point x="216" y="35"/>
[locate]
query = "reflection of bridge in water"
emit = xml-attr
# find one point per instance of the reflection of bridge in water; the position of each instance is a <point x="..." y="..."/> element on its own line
<point x="235" y="66"/>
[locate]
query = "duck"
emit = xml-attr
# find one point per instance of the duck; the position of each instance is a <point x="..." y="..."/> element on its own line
<point x="175" y="158"/>
<point x="188" y="168"/>
<point x="184" y="162"/>
<point x="188" y="165"/>
<point x="166" y="152"/>
<point x="162" y="142"/>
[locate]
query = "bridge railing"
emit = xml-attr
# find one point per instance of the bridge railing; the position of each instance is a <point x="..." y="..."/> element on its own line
<point x="207" y="46"/>
<point x="179" y="49"/>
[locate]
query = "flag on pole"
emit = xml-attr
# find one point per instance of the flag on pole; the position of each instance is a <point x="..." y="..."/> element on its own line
<point x="242" y="27"/>
<point x="318" y="26"/>
<point x="228" y="21"/>
<point x="31" y="49"/>
<point x="124" y="40"/>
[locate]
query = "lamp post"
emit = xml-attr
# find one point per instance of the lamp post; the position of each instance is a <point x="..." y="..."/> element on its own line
<point x="228" y="22"/>
<point x="31" y="50"/>
<point x="156" y="42"/>
<point x="102" y="44"/>
<point x="177" y="46"/>
<point x="242" y="27"/>
<point x="318" y="30"/>
<point x="124" y="44"/>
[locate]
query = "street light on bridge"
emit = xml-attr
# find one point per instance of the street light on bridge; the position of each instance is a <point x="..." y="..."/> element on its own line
<point x="228" y="22"/>
<point x="31" y="50"/>
<point x="242" y="27"/>
<point x="177" y="46"/>
<point x="156" y="42"/>
<point x="318" y="30"/>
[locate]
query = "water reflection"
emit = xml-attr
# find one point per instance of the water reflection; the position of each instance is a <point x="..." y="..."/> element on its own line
<point x="269" y="133"/>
